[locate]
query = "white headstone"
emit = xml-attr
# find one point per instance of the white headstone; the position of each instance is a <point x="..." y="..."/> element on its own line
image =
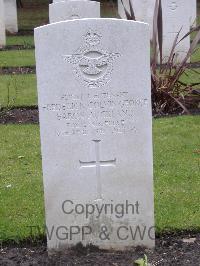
<point x="2" y="25"/>
<point x="73" y="10"/>
<point x="176" y="17"/>
<point x="11" y="16"/>
<point x="143" y="10"/>
<point x="94" y="91"/>
<point x="121" y="7"/>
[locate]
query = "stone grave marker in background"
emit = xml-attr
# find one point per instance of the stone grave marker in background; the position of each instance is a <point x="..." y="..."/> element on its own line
<point x="10" y="14"/>
<point x="73" y="10"/>
<point x="143" y="10"/>
<point x="94" y="91"/>
<point x="121" y="11"/>
<point x="176" y="17"/>
<point x="2" y="25"/>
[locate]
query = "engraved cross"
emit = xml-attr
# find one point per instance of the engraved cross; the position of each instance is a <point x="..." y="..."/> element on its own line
<point x="98" y="164"/>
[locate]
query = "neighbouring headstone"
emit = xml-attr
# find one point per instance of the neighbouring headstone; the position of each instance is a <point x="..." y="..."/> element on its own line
<point x="73" y="10"/>
<point x="173" y="22"/>
<point x="143" y="10"/>
<point x="2" y="25"/>
<point x="11" y="23"/>
<point x="94" y="89"/>
<point x="122" y="5"/>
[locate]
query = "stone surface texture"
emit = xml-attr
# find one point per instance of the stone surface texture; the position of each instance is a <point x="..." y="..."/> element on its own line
<point x="176" y="17"/>
<point x="143" y="11"/>
<point x="94" y="93"/>
<point x="73" y="10"/>
<point x="2" y="25"/>
<point x="11" y="22"/>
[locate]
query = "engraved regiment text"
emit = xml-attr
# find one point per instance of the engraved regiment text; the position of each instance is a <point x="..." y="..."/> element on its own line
<point x="96" y="113"/>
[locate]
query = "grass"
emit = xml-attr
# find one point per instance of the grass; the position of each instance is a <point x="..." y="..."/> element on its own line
<point x="18" y="90"/>
<point x="177" y="168"/>
<point x="20" y="40"/>
<point x="21" y="191"/>
<point x="17" y="58"/>
<point x="176" y="172"/>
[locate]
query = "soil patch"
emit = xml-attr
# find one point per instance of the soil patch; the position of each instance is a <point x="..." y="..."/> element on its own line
<point x="19" y="116"/>
<point x="18" y="70"/>
<point x="174" y="250"/>
<point x="17" y="47"/>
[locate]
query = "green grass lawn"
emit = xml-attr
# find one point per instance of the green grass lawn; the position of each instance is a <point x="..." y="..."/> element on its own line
<point x="22" y="203"/>
<point x="16" y="58"/>
<point x="27" y="41"/>
<point x="18" y="90"/>
<point x="176" y="174"/>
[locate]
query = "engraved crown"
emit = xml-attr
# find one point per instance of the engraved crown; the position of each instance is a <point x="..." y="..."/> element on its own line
<point x="92" y="38"/>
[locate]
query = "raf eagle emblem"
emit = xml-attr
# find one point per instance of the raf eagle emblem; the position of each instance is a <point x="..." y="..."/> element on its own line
<point x="91" y="64"/>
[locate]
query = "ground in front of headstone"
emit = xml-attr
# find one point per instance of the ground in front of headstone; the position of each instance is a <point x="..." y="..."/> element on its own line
<point x="182" y="249"/>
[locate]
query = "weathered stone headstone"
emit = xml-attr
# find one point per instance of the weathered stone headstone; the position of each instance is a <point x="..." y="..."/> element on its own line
<point x="73" y="10"/>
<point x="11" y="16"/>
<point x="143" y="11"/>
<point x="94" y="91"/>
<point x="173" y="22"/>
<point x="121" y="7"/>
<point x="2" y="24"/>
